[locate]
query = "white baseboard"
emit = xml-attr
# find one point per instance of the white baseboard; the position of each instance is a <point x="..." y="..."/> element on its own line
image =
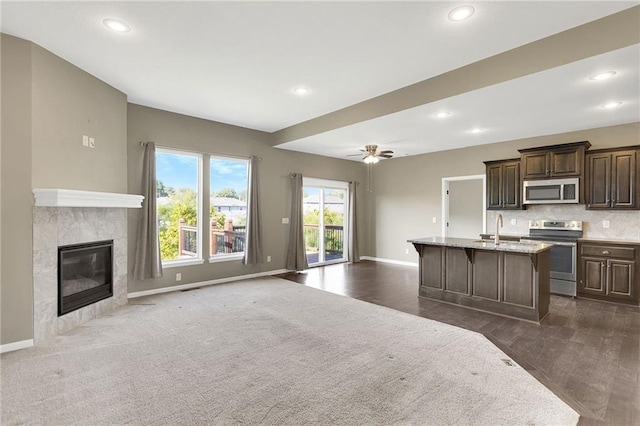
<point x="9" y="347"/>
<point x="395" y="262"/>
<point x="203" y="283"/>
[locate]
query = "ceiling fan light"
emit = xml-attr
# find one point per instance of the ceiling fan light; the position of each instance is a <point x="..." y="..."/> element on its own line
<point x="374" y="160"/>
<point x="368" y="159"/>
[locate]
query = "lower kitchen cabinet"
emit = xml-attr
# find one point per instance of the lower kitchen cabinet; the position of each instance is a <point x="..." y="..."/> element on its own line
<point x="608" y="271"/>
<point x="506" y="282"/>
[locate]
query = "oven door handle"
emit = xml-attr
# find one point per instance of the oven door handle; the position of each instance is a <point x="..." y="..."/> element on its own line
<point x="562" y="243"/>
<point x="557" y="243"/>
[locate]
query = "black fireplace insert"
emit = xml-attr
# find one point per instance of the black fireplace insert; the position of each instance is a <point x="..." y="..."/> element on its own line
<point x="85" y="274"/>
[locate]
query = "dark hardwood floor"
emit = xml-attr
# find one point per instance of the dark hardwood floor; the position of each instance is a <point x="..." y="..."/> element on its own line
<point x="587" y="352"/>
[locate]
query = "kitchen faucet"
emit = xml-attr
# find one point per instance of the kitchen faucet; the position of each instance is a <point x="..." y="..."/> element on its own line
<point x="498" y="226"/>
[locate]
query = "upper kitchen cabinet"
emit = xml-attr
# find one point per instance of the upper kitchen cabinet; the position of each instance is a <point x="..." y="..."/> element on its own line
<point x="503" y="185"/>
<point x="547" y="162"/>
<point x="613" y="179"/>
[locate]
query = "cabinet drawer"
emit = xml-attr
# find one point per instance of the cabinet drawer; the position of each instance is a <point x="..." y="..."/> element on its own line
<point x="608" y="251"/>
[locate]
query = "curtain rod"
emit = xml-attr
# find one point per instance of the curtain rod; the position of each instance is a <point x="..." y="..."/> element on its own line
<point x="292" y="175"/>
<point x="170" y="148"/>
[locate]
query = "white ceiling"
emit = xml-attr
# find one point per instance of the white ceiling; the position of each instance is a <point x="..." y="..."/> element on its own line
<point x="236" y="62"/>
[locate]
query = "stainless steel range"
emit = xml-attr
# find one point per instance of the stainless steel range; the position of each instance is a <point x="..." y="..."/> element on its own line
<point x="564" y="235"/>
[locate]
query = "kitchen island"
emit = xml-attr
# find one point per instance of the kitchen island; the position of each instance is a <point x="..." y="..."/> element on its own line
<point x="509" y="278"/>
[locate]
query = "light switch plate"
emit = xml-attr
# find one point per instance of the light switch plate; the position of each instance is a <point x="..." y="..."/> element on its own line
<point x="514" y="221"/>
<point x="92" y="143"/>
<point x="606" y="224"/>
<point x="285" y="220"/>
<point x="85" y="140"/>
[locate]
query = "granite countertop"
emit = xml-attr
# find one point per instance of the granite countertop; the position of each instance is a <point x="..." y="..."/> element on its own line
<point x="530" y="247"/>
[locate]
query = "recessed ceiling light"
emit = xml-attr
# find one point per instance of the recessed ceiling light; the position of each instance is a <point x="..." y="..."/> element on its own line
<point x="117" y="25"/>
<point x="442" y="114"/>
<point x="610" y="105"/>
<point x="461" y="13"/>
<point x="603" y="75"/>
<point x="476" y="130"/>
<point x="301" y="90"/>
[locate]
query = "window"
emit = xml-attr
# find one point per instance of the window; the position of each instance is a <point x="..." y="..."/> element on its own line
<point x="229" y="183"/>
<point x="178" y="204"/>
<point x="182" y="223"/>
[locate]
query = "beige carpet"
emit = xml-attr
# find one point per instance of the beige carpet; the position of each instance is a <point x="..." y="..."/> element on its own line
<point x="269" y="351"/>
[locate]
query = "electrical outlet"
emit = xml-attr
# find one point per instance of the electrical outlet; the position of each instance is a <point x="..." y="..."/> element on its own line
<point x="268" y="258"/>
<point x="406" y="251"/>
<point x="434" y="219"/>
<point x="178" y="276"/>
<point x="285" y="220"/>
<point x="92" y="143"/>
<point x="606" y="224"/>
<point x="514" y="222"/>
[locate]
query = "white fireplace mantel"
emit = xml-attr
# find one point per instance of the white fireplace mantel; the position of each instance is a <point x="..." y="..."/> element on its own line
<point x="54" y="197"/>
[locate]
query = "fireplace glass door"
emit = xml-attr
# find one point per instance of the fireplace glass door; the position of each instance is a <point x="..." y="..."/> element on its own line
<point x="85" y="275"/>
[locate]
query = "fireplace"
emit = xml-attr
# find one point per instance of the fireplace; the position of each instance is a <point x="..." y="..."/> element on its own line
<point x="85" y="274"/>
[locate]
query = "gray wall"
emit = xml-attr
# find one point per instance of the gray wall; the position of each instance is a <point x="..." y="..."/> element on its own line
<point x="172" y="130"/>
<point x="407" y="190"/>
<point x="47" y="105"/>
<point x="16" y="290"/>
<point x="69" y="103"/>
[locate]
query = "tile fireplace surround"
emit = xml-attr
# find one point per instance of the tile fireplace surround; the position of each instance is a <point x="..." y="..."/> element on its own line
<point x="62" y="217"/>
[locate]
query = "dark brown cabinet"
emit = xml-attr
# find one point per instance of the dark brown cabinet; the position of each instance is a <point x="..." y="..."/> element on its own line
<point x="613" y="179"/>
<point x="503" y="185"/>
<point x="504" y="282"/>
<point x="607" y="271"/>
<point x="556" y="161"/>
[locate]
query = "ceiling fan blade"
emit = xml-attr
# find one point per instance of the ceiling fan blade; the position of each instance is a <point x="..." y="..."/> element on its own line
<point x="386" y="151"/>
<point x="385" y="156"/>
<point x="353" y="155"/>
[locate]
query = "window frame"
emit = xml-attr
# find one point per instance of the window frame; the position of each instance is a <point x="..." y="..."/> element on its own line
<point x="332" y="184"/>
<point x="204" y="217"/>
<point x="226" y="257"/>
<point x="199" y="259"/>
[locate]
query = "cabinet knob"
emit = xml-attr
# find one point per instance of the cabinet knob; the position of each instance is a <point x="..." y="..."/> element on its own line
<point x="606" y="252"/>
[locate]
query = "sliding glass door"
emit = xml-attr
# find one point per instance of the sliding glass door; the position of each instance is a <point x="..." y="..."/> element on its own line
<point x="325" y="210"/>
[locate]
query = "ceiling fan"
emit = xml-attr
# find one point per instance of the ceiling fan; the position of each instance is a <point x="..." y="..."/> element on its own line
<point x="372" y="155"/>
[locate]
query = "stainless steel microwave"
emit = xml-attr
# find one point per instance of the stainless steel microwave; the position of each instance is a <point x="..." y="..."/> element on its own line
<point x="551" y="191"/>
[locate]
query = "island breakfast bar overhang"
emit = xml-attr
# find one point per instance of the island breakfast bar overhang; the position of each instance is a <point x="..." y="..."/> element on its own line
<point x="509" y="278"/>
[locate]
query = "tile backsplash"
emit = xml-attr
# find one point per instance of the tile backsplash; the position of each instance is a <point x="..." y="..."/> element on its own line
<point x="623" y="225"/>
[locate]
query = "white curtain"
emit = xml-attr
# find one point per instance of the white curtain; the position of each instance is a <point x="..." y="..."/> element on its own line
<point x="253" y="252"/>
<point x="148" y="263"/>
<point x="352" y="253"/>
<point x="296" y="255"/>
